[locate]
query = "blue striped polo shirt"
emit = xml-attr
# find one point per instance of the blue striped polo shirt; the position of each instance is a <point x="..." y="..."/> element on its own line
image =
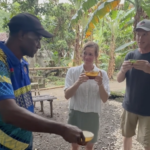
<point x="14" y="84"/>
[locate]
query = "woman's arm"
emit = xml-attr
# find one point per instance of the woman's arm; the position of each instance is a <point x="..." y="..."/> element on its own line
<point x="103" y="83"/>
<point x="103" y="94"/>
<point x="71" y="90"/>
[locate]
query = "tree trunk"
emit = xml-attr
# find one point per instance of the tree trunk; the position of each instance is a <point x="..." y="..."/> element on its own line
<point x="111" y="66"/>
<point x="77" y="58"/>
<point x="140" y="14"/>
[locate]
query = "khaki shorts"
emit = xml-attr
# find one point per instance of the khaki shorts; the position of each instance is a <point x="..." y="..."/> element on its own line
<point x="128" y="126"/>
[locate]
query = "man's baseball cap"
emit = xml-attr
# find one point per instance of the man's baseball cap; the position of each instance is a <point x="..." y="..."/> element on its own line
<point x="28" y="22"/>
<point x="144" y="24"/>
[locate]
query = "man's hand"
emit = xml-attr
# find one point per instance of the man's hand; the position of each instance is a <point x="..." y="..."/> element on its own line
<point x="82" y="78"/>
<point x="99" y="79"/>
<point x="73" y="134"/>
<point x="142" y="65"/>
<point x="127" y="65"/>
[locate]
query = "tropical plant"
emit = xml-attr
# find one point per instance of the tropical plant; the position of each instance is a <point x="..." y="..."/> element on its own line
<point x="97" y="9"/>
<point x="55" y="17"/>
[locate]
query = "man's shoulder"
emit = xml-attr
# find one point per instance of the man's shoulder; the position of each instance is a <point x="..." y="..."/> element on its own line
<point x="131" y="54"/>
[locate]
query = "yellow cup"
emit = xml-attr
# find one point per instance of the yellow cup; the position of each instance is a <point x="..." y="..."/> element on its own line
<point x="92" y="74"/>
<point x="88" y="136"/>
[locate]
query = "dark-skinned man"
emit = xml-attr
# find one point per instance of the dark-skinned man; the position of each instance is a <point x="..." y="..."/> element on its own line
<point x="17" y="118"/>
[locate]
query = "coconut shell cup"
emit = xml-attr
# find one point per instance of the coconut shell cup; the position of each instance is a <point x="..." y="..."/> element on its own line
<point x="88" y="136"/>
<point x="91" y="74"/>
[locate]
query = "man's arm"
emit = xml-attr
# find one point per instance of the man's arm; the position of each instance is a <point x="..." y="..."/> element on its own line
<point x="121" y="76"/>
<point x="127" y="65"/>
<point x="13" y="114"/>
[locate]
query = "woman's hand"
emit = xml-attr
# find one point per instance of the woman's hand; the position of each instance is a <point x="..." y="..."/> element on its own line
<point x="99" y="79"/>
<point x="82" y="78"/>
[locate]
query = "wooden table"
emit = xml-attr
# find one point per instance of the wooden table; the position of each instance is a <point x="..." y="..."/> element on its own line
<point x="42" y="98"/>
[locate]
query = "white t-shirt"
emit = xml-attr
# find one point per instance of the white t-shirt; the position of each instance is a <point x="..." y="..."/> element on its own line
<point x="87" y="97"/>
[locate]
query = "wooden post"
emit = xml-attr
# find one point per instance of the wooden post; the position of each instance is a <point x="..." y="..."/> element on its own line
<point x="47" y="68"/>
<point x="42" y="106"/>
<point x="51" y="108"/>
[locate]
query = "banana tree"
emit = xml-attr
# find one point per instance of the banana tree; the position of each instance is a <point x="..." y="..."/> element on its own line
<point x="97" y="9"/>
<point x="79" y="30"/>
<point x="113" y="20"/>
<point x="139" y="10"/>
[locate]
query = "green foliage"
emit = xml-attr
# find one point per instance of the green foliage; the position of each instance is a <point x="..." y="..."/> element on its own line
<point x="58" y="81"/>
<point x="118" y="61"/>
<point x="146" y="5"/>
<point x="39" y="72"/>
<point x="55" y="17"/>
<point x="3" y="15"/>
<point x="61" y="45"/>
<point x="122" y="47"/>
<point x="84" y="6"/>
<point x="108" y="27"/>
<point x="104" y="59"/>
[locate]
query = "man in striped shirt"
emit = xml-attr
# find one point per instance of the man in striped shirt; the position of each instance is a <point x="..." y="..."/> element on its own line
<point x="17" y="118"/>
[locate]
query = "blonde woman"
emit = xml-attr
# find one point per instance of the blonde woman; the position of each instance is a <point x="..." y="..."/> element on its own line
<point x="86" y="94"/>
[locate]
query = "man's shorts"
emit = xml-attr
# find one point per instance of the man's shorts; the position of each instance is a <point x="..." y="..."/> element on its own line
<point x="128" y="126"/>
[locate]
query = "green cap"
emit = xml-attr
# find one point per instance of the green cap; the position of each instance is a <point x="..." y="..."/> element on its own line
<point x="144" y="24"/>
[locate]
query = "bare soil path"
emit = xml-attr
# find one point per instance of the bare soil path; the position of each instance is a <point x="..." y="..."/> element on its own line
<point x="109" y="135"/>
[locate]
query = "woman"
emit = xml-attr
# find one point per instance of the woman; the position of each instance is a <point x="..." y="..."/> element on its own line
<point x="86" y="94"/>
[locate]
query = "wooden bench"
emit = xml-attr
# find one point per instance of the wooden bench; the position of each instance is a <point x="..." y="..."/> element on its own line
<point x="42" y="98"/>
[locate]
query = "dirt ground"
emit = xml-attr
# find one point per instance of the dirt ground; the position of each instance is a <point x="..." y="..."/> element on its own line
<point x="109" y="134"/>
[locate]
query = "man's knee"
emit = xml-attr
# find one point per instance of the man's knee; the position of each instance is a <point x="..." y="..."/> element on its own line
<point x="127" y="138"/>
<point x="89" y="146"/>
<point x="75" y="146"/>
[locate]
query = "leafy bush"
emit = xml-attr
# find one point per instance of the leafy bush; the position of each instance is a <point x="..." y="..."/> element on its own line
<point x="54" y="80"/>
<point x="118" y="61"/>
<point x="104" y="59"/>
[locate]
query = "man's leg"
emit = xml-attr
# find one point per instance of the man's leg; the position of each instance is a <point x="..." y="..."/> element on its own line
<point x="127" y="143"/>
<point x="143" y="136"/>
<point x="74" y="146"/>
<point x="128" y="127"/>
<point x="89" y="146"/>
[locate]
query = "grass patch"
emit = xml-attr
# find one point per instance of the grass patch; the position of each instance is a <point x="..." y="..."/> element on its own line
<point x="119" y="99"/>
<point x="56" y="81"/>
<point x="114" y="95"/>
